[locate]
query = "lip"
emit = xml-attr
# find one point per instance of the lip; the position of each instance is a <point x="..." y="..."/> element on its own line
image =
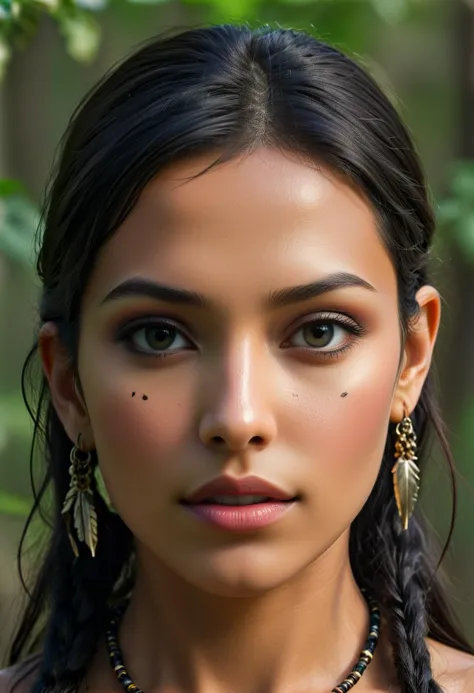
<point x="230" y="486"/>
<point x="240" y="518"/>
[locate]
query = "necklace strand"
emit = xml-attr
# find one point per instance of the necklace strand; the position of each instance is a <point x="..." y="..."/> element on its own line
<point x="116" y="658"/>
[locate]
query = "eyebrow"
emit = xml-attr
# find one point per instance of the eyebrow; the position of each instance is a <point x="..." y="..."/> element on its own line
<point x="140" y="287"/>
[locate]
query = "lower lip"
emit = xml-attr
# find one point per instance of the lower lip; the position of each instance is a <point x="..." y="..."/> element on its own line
<point x="240" y="518"/>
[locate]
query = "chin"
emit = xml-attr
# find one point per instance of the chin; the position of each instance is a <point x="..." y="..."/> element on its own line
<point x="239" y="571"/>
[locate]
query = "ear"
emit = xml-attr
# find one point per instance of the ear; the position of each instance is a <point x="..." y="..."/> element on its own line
<point x="65" y="395"/>
<point x="418" y="353"/>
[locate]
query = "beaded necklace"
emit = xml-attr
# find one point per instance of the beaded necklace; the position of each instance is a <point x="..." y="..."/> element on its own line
<point x="116" y="658"/>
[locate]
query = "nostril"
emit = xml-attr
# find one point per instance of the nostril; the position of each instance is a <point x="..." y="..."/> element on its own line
<point x="255" y="440"/>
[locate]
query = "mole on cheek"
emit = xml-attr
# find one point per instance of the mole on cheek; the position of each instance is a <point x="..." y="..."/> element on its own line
<point x="144" y="397"/>
<point x="133" y="394"/>
<point x="344" y="394"/>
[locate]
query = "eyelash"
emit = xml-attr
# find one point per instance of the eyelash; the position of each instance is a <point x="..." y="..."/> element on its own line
<point x="125" y="333"/>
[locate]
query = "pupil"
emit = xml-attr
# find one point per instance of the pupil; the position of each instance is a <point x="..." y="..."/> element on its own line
<point x="160" y="337"/>
<point x="319" y="335"/>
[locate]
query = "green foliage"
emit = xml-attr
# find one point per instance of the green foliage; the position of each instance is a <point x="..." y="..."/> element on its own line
<point x="19" y="220"/>
<point x="14" y="419"/>
<point x="456" y="212"/>
<point x="19" y="19"/>
<point x="10" y="187"/>
<point x="13" y="505"/>
<point x="14" y="422"/>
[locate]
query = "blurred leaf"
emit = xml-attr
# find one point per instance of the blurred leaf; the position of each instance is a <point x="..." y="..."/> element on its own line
<point x="18" y="223"/>
<point x="229" y="9"/>
<point x="51" y="5"/>
<point x="13" y="505"/>
<point x="149" y="2"/>
<point x="298" y="2"/>
<point x="3" y="435"/>
<point x="465" y="234"/>
<point x="14" y="417"/>
<point x="4" y="56"/>
<point x="456" y="212"/>
<point x="93" y="5"/>
<point x="82" y="34"/>
<point x="465" y="432"/>
<point x="10" y="187"/>
<point x="462" y="184"/>
<point x="391" y="10"/>
<point x="449" y="211"/>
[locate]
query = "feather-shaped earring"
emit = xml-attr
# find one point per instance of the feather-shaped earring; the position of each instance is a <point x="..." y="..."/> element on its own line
<point x="78" y="507"/>
<point x="406" y="474"/>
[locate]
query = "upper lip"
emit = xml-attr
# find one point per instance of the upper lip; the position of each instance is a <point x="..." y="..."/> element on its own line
<point x="229" y="486"/>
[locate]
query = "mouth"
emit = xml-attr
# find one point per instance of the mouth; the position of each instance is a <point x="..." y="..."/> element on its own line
<point x="247" y="504"/>
<point x="239" y="500"/>
<point x="237" y="514"/>
<point x="249" y="490"/>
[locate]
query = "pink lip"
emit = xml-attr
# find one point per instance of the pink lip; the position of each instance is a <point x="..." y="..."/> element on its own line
<point x="229" y="486"/>
<point x="240" y="518"/>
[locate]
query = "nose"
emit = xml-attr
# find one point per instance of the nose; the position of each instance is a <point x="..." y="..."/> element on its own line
<point x="238" y="412"/>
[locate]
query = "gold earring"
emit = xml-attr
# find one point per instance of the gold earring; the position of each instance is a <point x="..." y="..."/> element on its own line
<point x="406" y="475"/>
<point x="79" y="502"/>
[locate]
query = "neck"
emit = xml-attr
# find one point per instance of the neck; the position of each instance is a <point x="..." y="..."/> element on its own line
<point x="306" y="634"/>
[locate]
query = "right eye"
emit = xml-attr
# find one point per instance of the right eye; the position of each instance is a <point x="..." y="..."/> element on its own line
<point x="154" y="338"/>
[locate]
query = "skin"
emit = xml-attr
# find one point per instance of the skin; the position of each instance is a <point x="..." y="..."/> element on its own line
<point x="244" y="392"/>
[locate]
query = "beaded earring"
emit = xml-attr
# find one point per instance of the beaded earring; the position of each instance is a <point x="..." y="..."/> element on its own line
<point x="406" y="474"/>
<point x="78" y="507"/>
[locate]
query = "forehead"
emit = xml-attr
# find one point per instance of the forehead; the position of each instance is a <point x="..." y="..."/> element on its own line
<point x="251" y="224"/>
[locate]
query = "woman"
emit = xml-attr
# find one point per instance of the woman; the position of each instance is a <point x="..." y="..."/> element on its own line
<point x="237" y="329"/>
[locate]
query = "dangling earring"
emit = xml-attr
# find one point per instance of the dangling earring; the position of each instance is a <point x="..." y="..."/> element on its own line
<point x="79" y="501"/>
<point x="406" y="475"/>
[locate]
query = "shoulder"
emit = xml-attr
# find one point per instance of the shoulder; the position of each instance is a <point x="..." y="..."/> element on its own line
<point x="452" y="669"/>
<point x="19" y="678"/>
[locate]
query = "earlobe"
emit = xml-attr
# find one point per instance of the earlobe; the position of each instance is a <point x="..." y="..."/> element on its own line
<point x="59" y="373"/>
<point x="418" y="353"/>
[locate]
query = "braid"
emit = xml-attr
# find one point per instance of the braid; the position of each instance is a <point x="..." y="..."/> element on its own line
<point x="79" y="588"/>
<point x="406" y="600"/>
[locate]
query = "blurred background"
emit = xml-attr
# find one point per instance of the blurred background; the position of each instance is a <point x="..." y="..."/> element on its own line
<point x="421" y="51"/>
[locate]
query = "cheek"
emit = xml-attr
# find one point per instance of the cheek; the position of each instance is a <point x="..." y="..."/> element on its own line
<point x="342" y="439"/>
<point x="141" y="429"/>
<point x="136" y="439"/>
<point x="364" y="413"/>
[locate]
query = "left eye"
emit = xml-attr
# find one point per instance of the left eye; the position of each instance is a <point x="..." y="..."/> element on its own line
<point x="319" y="334"/>
<point x="156" y="338"/>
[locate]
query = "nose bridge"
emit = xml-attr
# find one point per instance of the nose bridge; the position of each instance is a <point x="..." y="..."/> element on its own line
<point x="238" y="409"/>
<point x="241" y="390"/>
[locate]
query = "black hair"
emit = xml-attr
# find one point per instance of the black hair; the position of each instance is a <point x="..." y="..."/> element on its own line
<point x="227" y="90"/>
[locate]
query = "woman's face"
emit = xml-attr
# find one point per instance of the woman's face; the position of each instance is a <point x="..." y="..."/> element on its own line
<point x="297" y="392"/>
